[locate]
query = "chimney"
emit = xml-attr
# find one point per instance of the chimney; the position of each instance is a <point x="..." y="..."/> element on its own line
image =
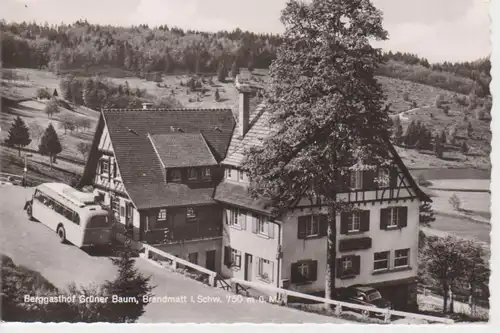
<point x="147" y="106"/>
<point x="243" y="107"/>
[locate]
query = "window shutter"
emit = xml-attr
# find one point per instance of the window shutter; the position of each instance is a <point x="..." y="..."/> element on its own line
<point x="243" y="215"/>
<point x="356" y="264"/>
<point x="227" y="215"/>
<point x="271" y="229"/>
<point x="255" y="219"/>
<point x="294" y="273"/>
<point x="114" y="168"/>
<point x="393" y="177"/>
<point x="403" y="216"/>
<point x="323" y="225"/>
<point x="301" y="227"/>
<point x="344" y="220"/>
<point x="313" y="270"/>
<point x="227" y="256"/>
<point x="384" y="217"/>
<point x="339" y="268"/>
<point x="369" y="179"/>
<point x="365" y="220"/>
<point x="271" y="275"/>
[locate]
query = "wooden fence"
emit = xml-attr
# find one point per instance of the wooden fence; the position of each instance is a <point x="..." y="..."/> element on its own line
<point x="387" y="313"/>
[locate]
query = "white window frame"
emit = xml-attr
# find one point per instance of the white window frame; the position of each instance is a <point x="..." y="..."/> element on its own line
<point x="175" y="175"/>
<point x="311" y="224"/>
<point x="241" y="175"/>
<point x="235" y="258"/>
<point x="393" y="220"/>
<point x="356" y="179"/>
<point x="406" y="255"/>
<point x="162" y="214"/>
<point x="386" y="260"/>
<point x="103" y="161"/>
<point x="383" y="178"/>
<point x="190" y="213"/>
<point x="261" y="269"/>
<point x="347" y="263"/>
<point x="207" y="173"/>
<point x="190" y="177"/>
<point x="228" y="173"/>
<point x="354" y="223"/>
<point x="196" y="255"/>
<point x="263" y="225"/>
<point x="304" y="270"/>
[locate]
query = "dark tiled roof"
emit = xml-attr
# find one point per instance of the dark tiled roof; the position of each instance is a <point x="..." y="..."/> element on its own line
<point x="168" y="195"/>
<point x="183" y="150"/>
<point x="140" y="167"/>
<point x="237" y="195"/>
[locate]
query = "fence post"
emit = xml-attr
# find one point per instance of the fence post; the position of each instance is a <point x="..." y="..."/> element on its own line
<point x="338" y="310"/>
<point x="212" y="281"/>
<point x="387" y="316"/>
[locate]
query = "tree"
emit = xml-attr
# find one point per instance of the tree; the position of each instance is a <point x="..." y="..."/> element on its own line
<point x="464" y="148"/>
<point x="443" y="137"/>
<point x="426" y="214"/>
<point x="217" y="95"/>
<point x="221" y="72"/>
<point x="438" y="147"/>
<point x="67" y="122"/>
<point x="19" y="135"/>
<point x="128" y="283"/>
<point x="406" y="96"/>
<point x="234" y="69"/>
<point x="251" y="62"/>
<point x="455" y="202"/>
<point x="50" y="144"/>
<point x="36" y="130"/>
<point x="52" y="107"/>
<point x="439" y="101"/>
<point x="83" y="148"/>
<point x="322" y="130"/>
<point x="398" y="134"/>
<point x="43" y="93"/>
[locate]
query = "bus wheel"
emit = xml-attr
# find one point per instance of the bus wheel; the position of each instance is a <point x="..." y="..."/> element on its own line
<point x="29" y="211"/>
<point x="61" y="233"/>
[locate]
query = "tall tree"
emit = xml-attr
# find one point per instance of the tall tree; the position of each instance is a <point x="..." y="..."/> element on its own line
<point x="52" y="107"/>
<point x="50" y="144"/>
<point x="426" y="214"/>
<point x="19" y="135"/>
<point x="322" y="129"/>
<point x="129" y="283"/>
<point x="234" y="69"/>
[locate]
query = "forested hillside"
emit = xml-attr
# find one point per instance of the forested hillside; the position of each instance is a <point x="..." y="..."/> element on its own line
<point x="88" y="49"/>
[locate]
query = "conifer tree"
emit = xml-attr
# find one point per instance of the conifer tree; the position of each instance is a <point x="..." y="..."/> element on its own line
<point x="221" y="72"/>
<point x="52" y="107"/>
<point x="50" y="144"/>
<point x="217" y="95"/>
<point x="426" y="214"/>
<point x="322" y="128"/>
<point x="19" y="135"/>
<point x="234" y="69"/>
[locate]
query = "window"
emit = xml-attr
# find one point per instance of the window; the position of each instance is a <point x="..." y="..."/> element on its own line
<point x="262" y="225"/>
<point x="162" y="214"/>
<point x="104" y="165"/>
<point x="265" y="269"/>
<point x="241" y="175"/>
<point x="235" y="258"/>
<point x="193" y="258"/>
<point x="237" y="217"/>
<point x="98" y="222"/>
<point x="228" y="172"/>
<point x="393" y="220"/>
<point x="304" y="271"/>
<point x="383" y="178"/>
<point x="206" y="173"/>
<point x="356" y="179"/>
<point x="381" y="260"/>
<point x="354" y="223"/>
<point x="190" y="213"/>
<point x="401" y="258"/>
<point x="312" y="226"/>
<point x="192" y="174"/>
<point x="347" y="264"/>
<point x="175" y="175"/>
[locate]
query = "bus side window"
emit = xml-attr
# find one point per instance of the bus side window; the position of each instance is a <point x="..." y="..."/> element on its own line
<point x="76" y="218"/>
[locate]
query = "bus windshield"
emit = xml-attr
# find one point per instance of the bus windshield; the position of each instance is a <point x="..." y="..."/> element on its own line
<point x="99" y="221"/>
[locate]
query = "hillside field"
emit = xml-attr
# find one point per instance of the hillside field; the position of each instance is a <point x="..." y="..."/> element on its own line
<point x="400" y="97"/>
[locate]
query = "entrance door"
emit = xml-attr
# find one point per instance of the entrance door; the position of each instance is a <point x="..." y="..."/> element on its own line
<point x="210" y="260"/>
<point x="248" y="267"/>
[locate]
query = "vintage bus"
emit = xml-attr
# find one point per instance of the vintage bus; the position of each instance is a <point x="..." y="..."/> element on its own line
<point x="73" y="215"/>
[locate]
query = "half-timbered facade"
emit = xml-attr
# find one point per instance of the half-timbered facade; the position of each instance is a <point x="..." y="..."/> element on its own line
<point x="157" y="170"/>
<point x="377" y="242"/>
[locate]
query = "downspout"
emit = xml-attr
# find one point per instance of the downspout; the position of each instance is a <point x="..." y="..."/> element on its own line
<point x="279" y="255"/>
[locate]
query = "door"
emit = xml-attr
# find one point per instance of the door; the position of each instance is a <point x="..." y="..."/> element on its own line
<point x="210" y="260"/>
<point x="248" y="267"/>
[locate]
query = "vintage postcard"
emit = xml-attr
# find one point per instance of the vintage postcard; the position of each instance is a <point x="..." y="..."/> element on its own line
<point x="320" y="161"/>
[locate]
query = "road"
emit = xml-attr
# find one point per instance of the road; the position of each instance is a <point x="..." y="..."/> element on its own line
<point x="33" y="245"/>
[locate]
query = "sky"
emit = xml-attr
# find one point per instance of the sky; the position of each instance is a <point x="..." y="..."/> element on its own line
<point x="439" y="30"/>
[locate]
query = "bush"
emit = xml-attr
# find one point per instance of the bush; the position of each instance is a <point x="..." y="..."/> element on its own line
<point x="406" y="96"/>
<point x="455" y="202"/>
<point x="43" y="93"/>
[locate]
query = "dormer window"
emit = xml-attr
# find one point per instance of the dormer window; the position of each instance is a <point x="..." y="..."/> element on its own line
<point x="192" y="174"/>
<point x="175" y="175"/>
<point x="206" y="173"/>
<point x="190" y="213"/>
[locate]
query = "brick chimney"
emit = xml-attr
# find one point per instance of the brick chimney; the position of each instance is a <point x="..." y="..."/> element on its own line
<point x="147" y="106"/>
<point x="244" y="90"/>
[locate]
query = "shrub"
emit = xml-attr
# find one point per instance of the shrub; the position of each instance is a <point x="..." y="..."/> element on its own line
<point x="406" y="96"/>
<point x="455" y="202"/>
<point x="439" y="101"/>
<point x="43" y="93"/>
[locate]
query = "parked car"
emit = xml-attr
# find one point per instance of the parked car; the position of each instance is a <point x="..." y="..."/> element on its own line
<point x="364" y="295"/>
